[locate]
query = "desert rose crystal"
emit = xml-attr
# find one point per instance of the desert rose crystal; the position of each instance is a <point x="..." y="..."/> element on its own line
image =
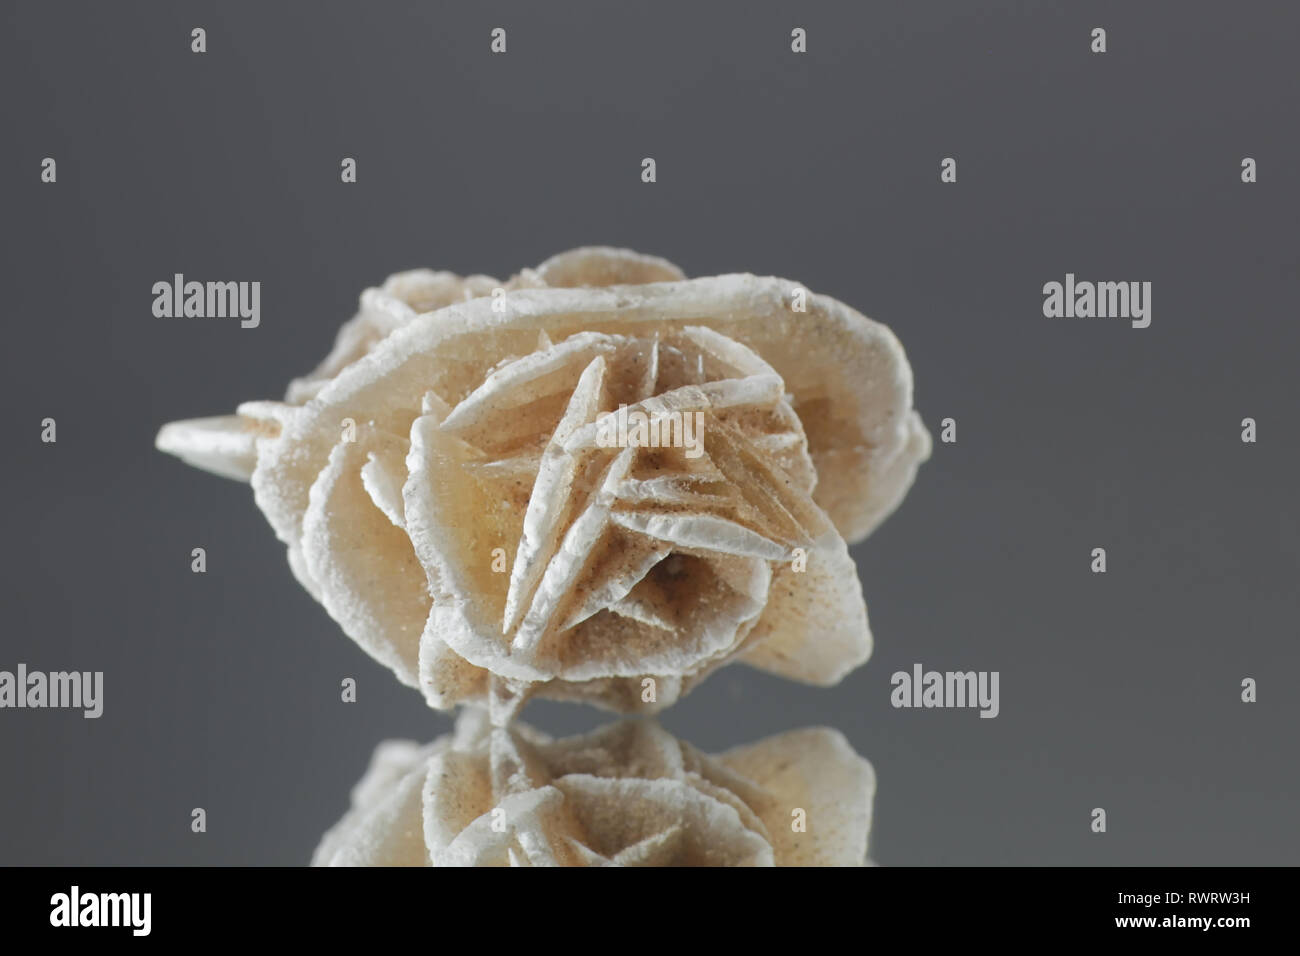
<point x="597" y="481"/>
<point x="629" y="794"/>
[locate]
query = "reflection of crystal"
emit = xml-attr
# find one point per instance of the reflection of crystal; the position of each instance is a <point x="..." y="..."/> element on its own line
<point x="628" y="794"/>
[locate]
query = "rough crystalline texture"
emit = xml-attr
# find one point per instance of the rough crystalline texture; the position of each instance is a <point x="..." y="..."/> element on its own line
<point x="446" y="488"/>
<point x="629" y="794"/>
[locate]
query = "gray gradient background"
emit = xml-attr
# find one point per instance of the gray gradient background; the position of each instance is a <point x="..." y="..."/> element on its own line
<point x="1122" y="690"/>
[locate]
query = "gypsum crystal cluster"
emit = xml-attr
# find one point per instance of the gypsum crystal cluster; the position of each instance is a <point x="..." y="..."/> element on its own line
<point x="444" y="487"/>
<point x="629" y="794"/>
